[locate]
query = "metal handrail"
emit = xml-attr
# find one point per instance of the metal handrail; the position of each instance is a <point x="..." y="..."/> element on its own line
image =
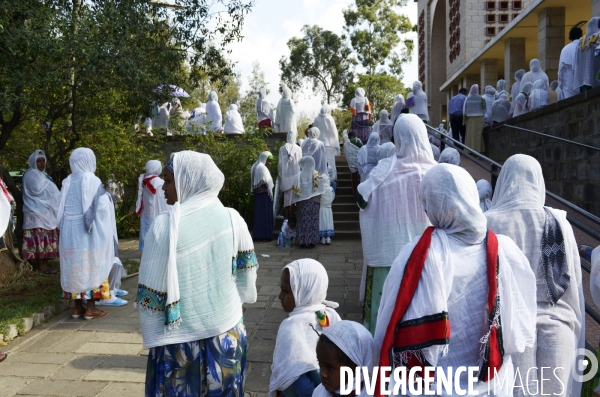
<point x="549" y="136"/>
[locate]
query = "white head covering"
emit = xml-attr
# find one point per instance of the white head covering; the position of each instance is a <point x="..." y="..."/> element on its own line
<point x="153" y="168"/>
<point x="260" y="173"/>
<point x="295" y="347"/>
<point x="535" y="73"/>
<point x="386" y="150"/>
<point x="398" y="106"/>
<point x="485" y="194"/>
<point x="213" y="112"/>
<point x="289" y="158"/>
<point x="41" y="197"/>
<point x="328" y="130"/>
<point x="233" y="121"/>
<point x="522" y="100"/>
<point x="360" y="102"/>
<point x="436" y="152"/>
<point x="198" y="182"/>
<point x="316" y="149"/>
<point x="385" y="127"/>
<point x="307" y="183"/>
<point x="501" y="109"/>
<point x="501" y="85"/>
<point x="450" y="156"/>
<point x="539" y="95"/>
<point x="489" y="97"/>
<point x="475" y="105"/>
<point x="420" y="102"/>
<point x="285" y="117"/>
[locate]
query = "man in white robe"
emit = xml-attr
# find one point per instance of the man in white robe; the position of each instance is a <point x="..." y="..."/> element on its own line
<point x="565" y="66"/>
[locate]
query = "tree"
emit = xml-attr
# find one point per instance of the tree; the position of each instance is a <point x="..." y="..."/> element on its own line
<point x="375" y="27"/>
<point x="380" y="89"/>
<point x="320" y="58"/>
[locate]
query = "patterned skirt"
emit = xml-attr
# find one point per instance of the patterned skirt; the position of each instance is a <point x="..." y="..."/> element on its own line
<point x="102" y="293"/>
<point x="375" y="278"/>
<point x="307" y="225"/>
<point x="361" y="124"/>
<point x="213" y="367"/>
<point x="40" y="244"/>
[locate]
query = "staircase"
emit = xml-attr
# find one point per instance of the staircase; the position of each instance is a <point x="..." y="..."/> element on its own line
<point x="345" y="210"/>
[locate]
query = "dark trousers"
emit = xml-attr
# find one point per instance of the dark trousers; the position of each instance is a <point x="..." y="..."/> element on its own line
<point x="456" y="122"/>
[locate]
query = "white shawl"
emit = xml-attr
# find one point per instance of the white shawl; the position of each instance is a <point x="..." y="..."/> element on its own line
<point x="155" y="204"/>
<point x="516" y="89"/>
<point x="385" y="127"/>
<point x="328" y="130"/>
<point x="450" y="156"/>
<point x="260" y="173"/>
<point x="351" y="152"/>
<point x="357" y="344"/>
<point x="367" y="156"/>
<point x="307" y="183"/>
<point x="398" y="106"/>
<point x="314" y="148"/>
<point x="360" y="103"/>
<point x="385" y="150"/>
<point x="489" y="97"/>
<point x="213" y="113"/>
<point x="263" y="107"/>
<point x="475" y="105"/>
<point x="328" y="195"/>
<point x="285" y="116"/>
<point x="4" y="212"/>
<point x="41" y="197"/>
<point x="535" y="73"/>
<point x="420" y="102"/>
<point x="454" y="279"/>
<point x="539" y="95"/>
<point x="288" y="165"/>
<point x="233" y="121"/>
<point x="295" y="348"/>
<point x="586" y="64"/>
<point x="485" y="194"/>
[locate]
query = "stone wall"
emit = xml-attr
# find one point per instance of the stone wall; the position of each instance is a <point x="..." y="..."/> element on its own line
<point x="570" y="171"/>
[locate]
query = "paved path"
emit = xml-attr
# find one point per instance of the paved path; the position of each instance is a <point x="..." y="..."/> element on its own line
<point x="104" y="357"/>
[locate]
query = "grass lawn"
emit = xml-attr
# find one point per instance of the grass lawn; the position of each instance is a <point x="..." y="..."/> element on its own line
<point x="28" y="296"/>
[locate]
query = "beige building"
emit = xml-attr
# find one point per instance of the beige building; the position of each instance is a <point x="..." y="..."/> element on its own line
<point x="465" y="42"/>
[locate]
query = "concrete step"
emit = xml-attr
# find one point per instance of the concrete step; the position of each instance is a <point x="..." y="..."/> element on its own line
<point x="343" y="190"/>
<point x="343" y="198"/>
<point x="345" y="216"/>
<point x="344" y="207"/>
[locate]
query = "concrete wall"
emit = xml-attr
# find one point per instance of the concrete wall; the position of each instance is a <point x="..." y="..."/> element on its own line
<point x="570" y="171"/>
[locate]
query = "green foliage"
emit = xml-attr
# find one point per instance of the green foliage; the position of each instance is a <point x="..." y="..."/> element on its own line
<point x="343" y="120"/>
<point x="319" y="58"/>
<point x="375" y="27"/>
<point x="381" y="89"/>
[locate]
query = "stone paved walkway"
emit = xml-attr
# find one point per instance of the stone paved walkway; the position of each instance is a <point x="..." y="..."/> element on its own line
<point x="104" y="357"/>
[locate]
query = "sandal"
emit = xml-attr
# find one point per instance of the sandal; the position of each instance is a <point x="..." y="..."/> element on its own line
<point x="3" y="356"/>
<point x="75" y="315"/>
<point x="93" y="315"/>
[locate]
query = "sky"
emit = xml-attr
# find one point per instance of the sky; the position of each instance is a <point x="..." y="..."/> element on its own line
<point x="272" y="23"/>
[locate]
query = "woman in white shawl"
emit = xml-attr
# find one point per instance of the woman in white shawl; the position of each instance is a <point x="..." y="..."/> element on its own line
<point x="535" y="73"/>
<point x="88" y="243"/>
<point x="329" y="136"/>
<point x="233" y="121"/>
<point x="40" y="201"/>
<point x="474" y="111"/>
<point x="326" y="229"/>
<point x="385" y="150"/>
<point x="349" y="344"/>
<point x="367" y="156"/>
<point x="469" y="300"/>
<point x="436" y="151"/>
<point x="151" y="200"/>
<point x="398" y="106"/>
<point x="352" y="146"/>
<point x="516" y="89"/>
<point x="484" y="188"/>
<point x="539" y="95"/>
<point x="500" y="89"/>
<point x="360" y="107"/>
<point x="449" y="156"/>
<point x="213" y="113"/>
<point x="489" y="97"/>
<point x="264" y="112"/>
<point x="394" y="215"/>
<point x="384" y="127"/>
<point x="314" y="148"/>
<point x="287" y="167"/>
<point x="200" y="251"/>
<point x="418" y="104"/>
<point x="547" y="240"/>
<point x="262" y="189"/>
<point x="522" y="100"/>
<point x="295" y="368"/>
<point x="307" y="189"/>
<point x="285" y="117"/>
<point x="501" y="109"/>
<point x="586" y="64"/>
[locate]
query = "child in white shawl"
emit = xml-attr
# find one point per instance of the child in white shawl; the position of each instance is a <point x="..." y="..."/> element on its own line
<point x="151" y="200"/>
<point x="326" y="230"/>
<point x="303" y="290"/>
<point x="485" y="194"/>
<point x="233" y="121"/>
<point x="344" y="344"/>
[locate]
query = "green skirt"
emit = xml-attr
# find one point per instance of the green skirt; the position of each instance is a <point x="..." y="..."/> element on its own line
<point x="375" y="278"/>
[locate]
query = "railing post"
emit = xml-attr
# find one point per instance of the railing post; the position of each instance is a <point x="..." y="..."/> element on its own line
<point x="494" y="170"/>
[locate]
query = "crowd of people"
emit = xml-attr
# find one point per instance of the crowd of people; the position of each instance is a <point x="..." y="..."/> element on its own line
<point x="454" y="274"/>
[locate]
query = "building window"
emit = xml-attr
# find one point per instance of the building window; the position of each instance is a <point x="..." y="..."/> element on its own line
<point x="500" y="29"/>
<point x="422" y="47"/>
<point x="490" y="18"/>
<point x="490" y="5"/>
<point x="504" y="18"/>
<point x="517" y="5"/>
<point x="454" y="27"/>
<point x="490" y="31"/>
<point x="516" y="14"/>
<point x="504" y="5"/>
